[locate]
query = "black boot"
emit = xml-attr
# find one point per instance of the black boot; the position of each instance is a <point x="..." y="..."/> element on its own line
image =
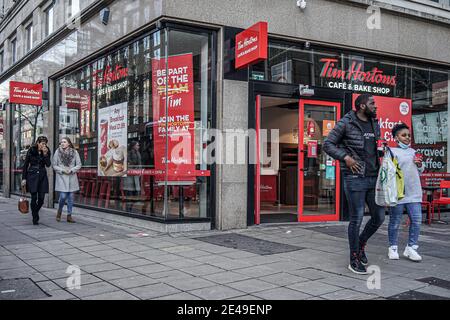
<point x="35" y="218"/>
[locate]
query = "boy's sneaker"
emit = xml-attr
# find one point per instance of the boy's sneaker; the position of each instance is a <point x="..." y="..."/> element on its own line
<point x="356" y="266"/>
<point x="362" y="255"/>
<point x="393" y="253"/>
<point x="411" y="253"/>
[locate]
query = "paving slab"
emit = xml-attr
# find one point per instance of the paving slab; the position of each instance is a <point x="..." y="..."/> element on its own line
<point x="133" y="282"/>
<point x="252" y="285"/>
<point x="313" y="288"/>
<point x="153" y="291"/>
<point x="281" y="294"/>
<point x="218" y="292"/>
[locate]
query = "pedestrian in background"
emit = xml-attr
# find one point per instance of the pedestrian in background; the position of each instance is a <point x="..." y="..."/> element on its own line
<point x="34" y="174"/>
<point x="66" y="163"/>
<point x="411" y="166"/>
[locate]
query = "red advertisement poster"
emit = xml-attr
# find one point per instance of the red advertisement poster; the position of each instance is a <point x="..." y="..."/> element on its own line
<point x="177" y="126"/>
<point x="80" y="100"/>
<point x="25" y="93"/>
<point x="433" y="179"/>
<point x="390" y="111"/>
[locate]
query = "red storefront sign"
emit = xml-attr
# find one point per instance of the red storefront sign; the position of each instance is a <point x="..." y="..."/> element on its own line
<point x="251" y="45"/>
<point x="374" y="76"/>
<point x="109" y="75"/>
<point x="390" y="111"/>
<point x="81" y="100"/>
<point x="25" y="93"/>
<point x="178" y="123"/>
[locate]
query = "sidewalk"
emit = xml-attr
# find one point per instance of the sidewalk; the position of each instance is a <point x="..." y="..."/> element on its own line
<point x="121" y="261"/>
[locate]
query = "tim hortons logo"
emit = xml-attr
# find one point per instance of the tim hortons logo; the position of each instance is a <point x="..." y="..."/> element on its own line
<point x="25" y="90"/>
<point x="104" y="77"/>
<point x="355" y="73"/>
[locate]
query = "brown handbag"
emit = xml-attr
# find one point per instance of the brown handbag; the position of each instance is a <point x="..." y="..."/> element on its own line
<point x="24" y="204"/>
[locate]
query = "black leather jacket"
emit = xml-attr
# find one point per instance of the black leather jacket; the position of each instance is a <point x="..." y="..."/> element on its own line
<point x="347" y="138"/>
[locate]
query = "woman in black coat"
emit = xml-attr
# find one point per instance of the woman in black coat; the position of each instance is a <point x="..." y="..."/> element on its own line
<point x="34" y="174"/>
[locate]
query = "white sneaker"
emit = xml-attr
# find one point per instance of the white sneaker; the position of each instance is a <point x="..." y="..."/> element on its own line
<point x="411" y="253"/>
<point x="393" y="253"/>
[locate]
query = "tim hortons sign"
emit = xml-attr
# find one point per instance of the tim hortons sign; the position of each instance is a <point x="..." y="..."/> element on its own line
<point x="25" y="93"/>
<point x="251" y="45"/>
<point x="374" y="81"/>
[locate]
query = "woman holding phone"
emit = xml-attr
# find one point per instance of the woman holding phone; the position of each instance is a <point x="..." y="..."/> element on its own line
<point x="34" y="174"/>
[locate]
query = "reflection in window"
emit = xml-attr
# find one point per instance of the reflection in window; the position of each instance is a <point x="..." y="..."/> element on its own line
<point x="29" y="122"/>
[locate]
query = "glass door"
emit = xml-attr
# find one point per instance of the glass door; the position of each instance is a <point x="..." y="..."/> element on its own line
<point x="319" y="174"/>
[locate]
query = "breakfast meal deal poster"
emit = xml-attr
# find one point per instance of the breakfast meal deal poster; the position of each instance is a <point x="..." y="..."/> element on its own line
<point x="112" y="140"/>
<point x="390" y="111"/>
<point x="178" y="123"/>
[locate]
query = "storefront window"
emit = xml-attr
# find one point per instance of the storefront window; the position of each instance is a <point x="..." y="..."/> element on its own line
<point x="426" y="88"/>
<point x="117" y="111"/>
<point x="29" y="122"/>
<point x="430" y="92"/>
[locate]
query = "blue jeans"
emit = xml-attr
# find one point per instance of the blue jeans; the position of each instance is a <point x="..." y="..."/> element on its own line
<point x="359" y="191"/>
<point x="395" y="218"/>
<point x="63" y="196"/>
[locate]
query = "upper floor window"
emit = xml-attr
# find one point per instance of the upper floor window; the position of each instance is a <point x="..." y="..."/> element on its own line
<point x="1" y="60"/>
<point x="29" y="36"/>
<point x="49" y="19"/>
<point x="444" y="2"/>
<point x="73" y="8"/>
<point x="13" y="49"/>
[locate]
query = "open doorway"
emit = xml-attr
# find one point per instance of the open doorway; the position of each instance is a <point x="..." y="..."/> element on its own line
<point x="279" y="178"/>
<point x="295" y="180"/>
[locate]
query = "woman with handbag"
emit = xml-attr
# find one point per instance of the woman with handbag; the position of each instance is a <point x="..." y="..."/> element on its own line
<point x="66" y="163"/>
<point x="412" y="166"/>
<point x="34" y="175"/>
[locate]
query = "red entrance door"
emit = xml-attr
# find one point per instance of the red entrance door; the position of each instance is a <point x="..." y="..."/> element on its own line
<point x="318" y="173"/>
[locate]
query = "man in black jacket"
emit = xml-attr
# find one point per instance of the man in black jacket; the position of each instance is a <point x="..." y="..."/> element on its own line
<point x="353" y="141"/>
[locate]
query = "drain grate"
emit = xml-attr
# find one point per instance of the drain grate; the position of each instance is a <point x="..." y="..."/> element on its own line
<point x="20" y="289"/>
<point x="416" y="295"/>
<point x="249" y="244"/>
<point x="441" y="283"/>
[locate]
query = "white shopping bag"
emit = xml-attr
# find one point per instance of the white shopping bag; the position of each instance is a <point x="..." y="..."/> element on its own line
<point x="386" y="187"/>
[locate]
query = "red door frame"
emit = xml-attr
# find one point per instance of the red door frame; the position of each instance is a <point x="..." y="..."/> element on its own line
<point x="258" y="165"/>
<point x="301" y="162"/>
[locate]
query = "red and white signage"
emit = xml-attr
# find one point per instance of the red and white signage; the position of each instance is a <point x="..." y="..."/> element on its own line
<point x="268" y="188"/>
<point x="25" y="93"/>
<point x="178" y="123"/>
<point x="251" y="45"/>
<point x="81" y="100"/>
<point x="433" y="179"/>
<point x="355" y="73"/>
<point x="390" y="111"/>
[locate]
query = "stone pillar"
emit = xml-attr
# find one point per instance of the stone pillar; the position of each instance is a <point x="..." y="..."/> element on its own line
<point x="232" y="180"/>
